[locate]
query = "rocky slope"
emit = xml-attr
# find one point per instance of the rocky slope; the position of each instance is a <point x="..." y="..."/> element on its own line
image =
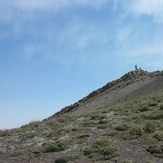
<point x="131" y="85"/>
<point x="120" y="122"/>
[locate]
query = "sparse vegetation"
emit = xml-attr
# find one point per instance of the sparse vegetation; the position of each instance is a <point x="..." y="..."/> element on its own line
<point x="83" y="138"/>
<point x="128" y="161"/>
<point x="102" y="126"/>
<point x="1" y="151"/>
<point x="150" y="126"/>
<point x="58" y="146"/>
<point x="96" y="134"/>
<point x="149" y="142"/>
<point x="61" y="160"/>
<point x="153" y="115"/>
<point x="158" y="135"/>
<point x="112" y="133"/>
<point x="161" y="106"/>
<point x="156" y="150"/>
<point x="17" y="153"/>
<point x="144" y="108"/>
<point x="67" y="158"/>
<point x="102" y="147"/>
<point x="122" y="127"/>
<point x="34" y="123"/>
<point x="135" y="132"/>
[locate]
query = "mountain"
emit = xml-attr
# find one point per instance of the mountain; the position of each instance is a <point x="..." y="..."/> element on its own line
<point x="119" y="122"/>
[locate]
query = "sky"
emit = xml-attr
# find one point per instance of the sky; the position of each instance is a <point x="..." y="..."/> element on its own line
<point x="55" y="52"/>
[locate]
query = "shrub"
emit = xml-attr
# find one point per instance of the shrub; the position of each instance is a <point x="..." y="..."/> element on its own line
<point x="67" y="158"/>
<point x="1" y="151"/>
<point x="144" y="108"/>
<point x="150" y="127"/>
<point x="5" y="133"/>
<point x="109" y="151"/>
<point x="103" y="147"/>
<point x="113" y="133"/>
<point x="61" y="160"/>
<point x="54" y="148"/>
<point x="150" y="142"/>
<point x="103" y="121"/>
<point x="83" y="138"/>
<point x="158" y="135"/>
<point x="28" y="135"/>
<point x="153" y="104"/>
<point x="156" y="150"/>
<point x="153" y="115"/>
<point x="59" y="146"/>
<point x="161" y="106"/>
<point x="128" y="161"/>
<point x="102" y="126"/>
<point x="122" y="127"/>
<point x="98" y="117"/>
<point x="137" y="130"/>
<point x="149" y="161"/>
<point x="53" y="124"/>
<point x="34" y="123"/>
<point x="89" y="150"/>
<point x="17" y="153"/>
<point x="134" y="133"/>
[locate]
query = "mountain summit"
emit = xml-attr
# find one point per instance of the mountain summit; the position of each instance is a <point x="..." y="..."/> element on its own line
<point x="131" y="85"/>
<point x="119" y="122"/>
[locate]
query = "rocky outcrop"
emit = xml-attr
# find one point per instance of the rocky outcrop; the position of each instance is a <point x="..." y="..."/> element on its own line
<point x="127" y="79"/>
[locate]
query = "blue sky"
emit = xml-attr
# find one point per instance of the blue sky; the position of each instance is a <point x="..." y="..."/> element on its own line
<point x="54" y="52"/>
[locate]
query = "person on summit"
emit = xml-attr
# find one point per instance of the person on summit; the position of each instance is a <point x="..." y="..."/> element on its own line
<point x="136" y="68"/>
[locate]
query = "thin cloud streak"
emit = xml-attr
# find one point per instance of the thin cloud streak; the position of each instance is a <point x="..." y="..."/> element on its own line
<point x="52" y="5"/>
<point x="56" y="4"/>
<point x="148" y="7"/>
<point x="79" y="36"/>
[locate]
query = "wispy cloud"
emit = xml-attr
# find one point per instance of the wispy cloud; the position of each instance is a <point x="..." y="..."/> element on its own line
<point x="80" y="35"/>
<point x="68" y="42"/>
<point x="41" y="5"/>
<point x="57" y="4"/>
<point x="135" y="40"/>
<point x="23" y="18"/>
<point x="148" y="7"/>
<point x="141" y="38"/>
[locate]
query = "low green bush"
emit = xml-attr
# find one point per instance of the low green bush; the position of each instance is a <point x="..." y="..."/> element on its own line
<point x="102" y="126"/>
<point x="144" y="108"/>
<point x="136" y="130"/>
<point x="98" y="117"/>
<point x="103" y="147"/>
<point x="161" y="106"/>
<point x="1" y="151"/>
<point x="122" y="127"/>
<point x="153" y="115"/>
<point x="150" y="142"/>
<point x="158" y="135"/>
<point x="113" y="133"/>
<point x="150" y="127"/>
<point x="59" y="146"/>
<point x="83" y="136"/>
<point x="61" y="160"/>
<point x="155" y="150"/>
<point x="104" y="121"/>
<point x="17" y="153"/>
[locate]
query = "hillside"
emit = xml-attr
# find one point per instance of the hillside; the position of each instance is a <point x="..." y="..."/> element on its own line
<point x="120" y="122"/>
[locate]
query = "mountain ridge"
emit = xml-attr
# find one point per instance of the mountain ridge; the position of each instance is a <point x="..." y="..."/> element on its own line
<point x="128" y="78"/>
<point x="119" y="122"/>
